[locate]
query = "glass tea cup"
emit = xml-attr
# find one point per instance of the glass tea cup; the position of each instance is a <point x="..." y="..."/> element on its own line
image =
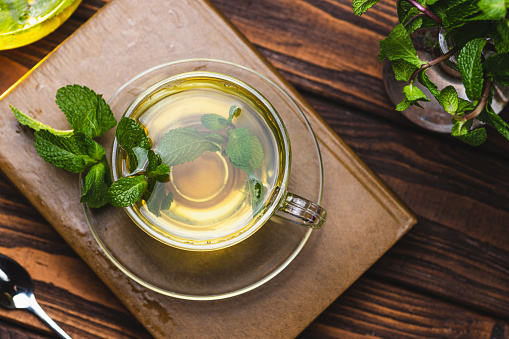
<point x="218" y="200"/>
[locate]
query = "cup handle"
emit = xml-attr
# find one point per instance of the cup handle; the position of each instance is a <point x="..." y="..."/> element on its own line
<point x="302" y="211"/>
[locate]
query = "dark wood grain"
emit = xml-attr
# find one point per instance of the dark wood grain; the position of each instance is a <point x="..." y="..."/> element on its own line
<point x="447" y="278"/>
<point x="11" y="331"/>
<point x="376" y="309"/>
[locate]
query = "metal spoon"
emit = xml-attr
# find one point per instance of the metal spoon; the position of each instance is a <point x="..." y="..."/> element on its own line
<point x="17" y="291"/>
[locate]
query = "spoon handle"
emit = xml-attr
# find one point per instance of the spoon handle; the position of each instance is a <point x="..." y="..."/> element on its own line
<point x="34" y="307"/>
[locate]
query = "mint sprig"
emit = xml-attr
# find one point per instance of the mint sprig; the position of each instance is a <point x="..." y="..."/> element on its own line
<point x="479" y="33"/>
<point x="75" y="150"/>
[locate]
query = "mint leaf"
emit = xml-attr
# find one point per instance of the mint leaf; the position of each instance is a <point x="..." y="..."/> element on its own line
<point x="413" y="93"/>
<point x="130" y="134"/>
<point x="239" y="149"/>
<point x="92" y="148"/>
<point x="151" y="184"/>
<point x="498" y="65"/>
<point x="36" y="125"/>
<point x="398" y="45"/>
<point x="470" y="67"/>
<point x="493" y="120"/>
<point x="403" y="105"/>
<point x="257" y="191"/>
<point x="126" y="191"/>
<point x="423" y="78"/>
<point x="139" y="157"/>
<point x="464" y="105"/>
<point x="456" y="14"/>
<point x="499" y="32"/>
<point x="403" y="8"/>
<point x="186" y="144"/>
<point x="160" y="173"/>
<point x="473" y="138"/>
<point x="85" y="110"/>
<point x="67" y="152"/>
<point x="411" y="21"/>
<point x="153" y="161"/>
<point x="166" y="203"/>
<point x="402" y="70"/>
<point x="234" y="112"/>
<point x="257" y="155"/>
<point x="158" y="200"/>
<point x="13" y="15"/>
<point x="214" y="122"/>
<point x="95" y="186"/>
<point x="493" y="9"/>
<point x="45" y="6"/>
<point x="449" y="99"/>
<point x="361" y="6"/>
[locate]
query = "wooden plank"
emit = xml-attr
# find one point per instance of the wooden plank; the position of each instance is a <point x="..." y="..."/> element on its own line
<point x="374" y="309"/>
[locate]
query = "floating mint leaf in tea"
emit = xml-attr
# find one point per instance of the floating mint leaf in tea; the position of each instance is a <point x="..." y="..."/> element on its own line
<point x="214" y="122"/>
<point x="239" y="148"/>
<point x="186" y="144"/>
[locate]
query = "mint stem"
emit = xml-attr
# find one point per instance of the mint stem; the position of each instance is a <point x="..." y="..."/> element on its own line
<point x="482" y="102"/>
<point x="425" y="11"/>
<point x="413" y="18"/>
<point x="433" y="62"/>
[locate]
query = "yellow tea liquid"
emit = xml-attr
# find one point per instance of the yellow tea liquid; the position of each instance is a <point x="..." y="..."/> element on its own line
<point x="212" y="201"/>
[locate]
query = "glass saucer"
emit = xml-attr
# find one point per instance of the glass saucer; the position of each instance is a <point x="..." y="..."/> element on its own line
<point x="227" y="272"/>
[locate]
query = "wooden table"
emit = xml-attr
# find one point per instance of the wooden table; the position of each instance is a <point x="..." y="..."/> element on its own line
<point x="447" y="278"/>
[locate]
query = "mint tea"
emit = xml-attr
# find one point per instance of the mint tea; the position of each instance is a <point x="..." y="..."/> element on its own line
<point x="225" y="152"/>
